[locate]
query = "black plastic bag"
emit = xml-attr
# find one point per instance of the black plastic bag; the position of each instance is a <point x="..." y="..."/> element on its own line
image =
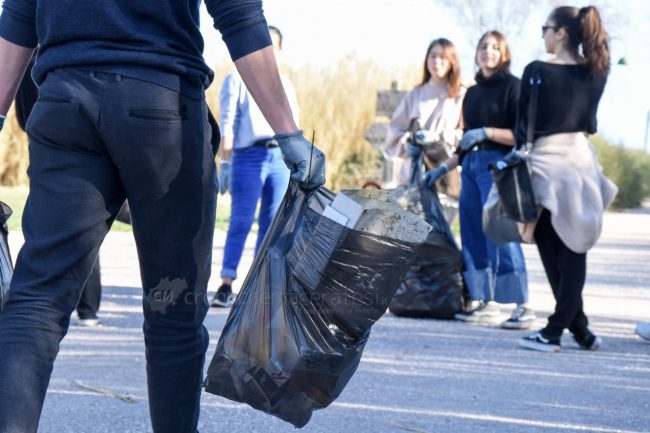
<point x="513" y="178"/>
<point x="433" y="287"/>
<point x="297" y="330"/>
<point x="6" y="266"/>
<point x="496" y="225"/>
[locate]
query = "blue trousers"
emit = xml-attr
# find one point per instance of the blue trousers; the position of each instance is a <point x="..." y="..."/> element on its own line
<point x="491" y="273"/>
<point x="257" y="172"/>
<point x="95" y="140"/>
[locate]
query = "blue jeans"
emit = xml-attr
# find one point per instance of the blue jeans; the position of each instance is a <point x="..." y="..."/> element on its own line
<point x="96" y="139"/>
<point x="491" y="273"/>
<point x="256" y="172"/>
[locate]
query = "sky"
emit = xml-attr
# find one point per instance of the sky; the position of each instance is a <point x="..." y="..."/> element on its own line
<point x="397" y="32"/>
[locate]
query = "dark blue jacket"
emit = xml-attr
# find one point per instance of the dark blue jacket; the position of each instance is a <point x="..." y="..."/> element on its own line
<point x="154" y="40"/>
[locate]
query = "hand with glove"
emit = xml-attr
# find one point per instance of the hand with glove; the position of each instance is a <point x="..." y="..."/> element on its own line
<point x="224" y="176"/>
<point x="305" y="161"/>
<point x="413" y="150"/>
<point x="472" y="137"/>
<point x="424" y="136"/>
<point x="431" y="176"/>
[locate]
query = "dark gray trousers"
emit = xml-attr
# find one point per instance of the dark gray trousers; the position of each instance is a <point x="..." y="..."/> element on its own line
<point x="96" y="139"/>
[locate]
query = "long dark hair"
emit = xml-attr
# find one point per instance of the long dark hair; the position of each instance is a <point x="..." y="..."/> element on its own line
<point x="584" y="27"/>
<point x="453" y="76"/>
<point x="504" y="62"/>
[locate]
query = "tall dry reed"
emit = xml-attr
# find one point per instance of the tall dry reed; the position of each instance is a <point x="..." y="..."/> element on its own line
<point x="337" y="103"/>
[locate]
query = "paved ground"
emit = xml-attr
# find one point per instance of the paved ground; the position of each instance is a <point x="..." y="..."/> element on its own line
<point x="415" y="376"/>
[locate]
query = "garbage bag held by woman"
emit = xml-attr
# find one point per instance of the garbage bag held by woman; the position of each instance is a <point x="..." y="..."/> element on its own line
<point x="433" y="286"/>
<point x="323" y="276"/>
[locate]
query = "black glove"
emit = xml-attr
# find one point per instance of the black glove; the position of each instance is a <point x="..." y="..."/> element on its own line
<point x="306" y="161"/>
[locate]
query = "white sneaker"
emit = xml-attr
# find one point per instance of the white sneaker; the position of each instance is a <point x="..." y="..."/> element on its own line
<point x="521" y="318"/>
<point x="643" y="330"/>
<point x="88" y="323"/>
<point x="485" y="312"/>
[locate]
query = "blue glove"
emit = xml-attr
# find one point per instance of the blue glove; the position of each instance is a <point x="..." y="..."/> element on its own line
<point x="413" y="150"/>
<point x="224" y="177"/>
<point x="424" y="136"/>
<point x="2" y="121"/>
<point x="472" y="137"/>
<point x="431" y="176"/>
<point x="305" y="161"/>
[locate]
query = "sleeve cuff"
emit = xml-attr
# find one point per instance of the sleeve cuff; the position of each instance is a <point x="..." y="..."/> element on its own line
<point x="18" y="31"/>
<point x="247" y="38"/>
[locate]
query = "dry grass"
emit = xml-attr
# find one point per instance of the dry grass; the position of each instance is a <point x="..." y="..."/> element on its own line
<point x="13" y="153"/>
<point x="336" y="103"/>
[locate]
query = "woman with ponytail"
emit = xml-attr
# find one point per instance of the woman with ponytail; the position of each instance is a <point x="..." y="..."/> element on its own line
<point x="567" y="180"/>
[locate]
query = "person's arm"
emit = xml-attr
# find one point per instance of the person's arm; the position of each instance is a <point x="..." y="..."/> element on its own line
<point x="431" y="176"/>
<point x="246" y="34"/>
<point x="398" y="129"/>
<point x="18" y="40"/>
<point x="521" y="128"/>
<point x="228" y="100"/>
<point x="452" y="162"/>
<point x="500" y="135"/>
<point x="259" y="71"/>
<point x="13" y="62"/>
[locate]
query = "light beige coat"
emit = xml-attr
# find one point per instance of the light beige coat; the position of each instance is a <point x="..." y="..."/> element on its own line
<point x="434" y="110"/>
<point x="569" y="182"/>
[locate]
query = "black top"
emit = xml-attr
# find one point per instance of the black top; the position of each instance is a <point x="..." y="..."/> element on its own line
<point x="568" y="100"/>
<point x="492" y="102"/>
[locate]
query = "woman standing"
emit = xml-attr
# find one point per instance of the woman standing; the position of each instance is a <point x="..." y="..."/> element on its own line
<point x="492" y="273"/>
<point x="429" y="115"/>
<point x="567" y="179"/>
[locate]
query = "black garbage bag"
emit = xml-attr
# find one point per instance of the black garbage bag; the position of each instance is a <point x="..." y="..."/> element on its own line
<point x="295" y="335"/>
<point x="433" y="286"/>
<point x="6" y="266"/>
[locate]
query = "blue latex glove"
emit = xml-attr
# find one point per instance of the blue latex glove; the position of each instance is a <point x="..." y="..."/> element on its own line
<point x="305" y="161"/>
<point x="413" y="150"/>
<point x="431" y="176"/>
<point x="424" y="136"/>
<point x="224" y="177"/>
<point x="472" y="137"/>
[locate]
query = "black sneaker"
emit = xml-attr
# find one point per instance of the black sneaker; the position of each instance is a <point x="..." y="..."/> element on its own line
<point x="224" y="297"/>
<point x="539" y="342"/>
<point x="588" y="341"/>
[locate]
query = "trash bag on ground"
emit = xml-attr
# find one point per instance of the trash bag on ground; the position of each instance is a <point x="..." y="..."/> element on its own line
<point x="433" y="286"/>
<point x="6" y="266"/>
<point x="325" y="273"/>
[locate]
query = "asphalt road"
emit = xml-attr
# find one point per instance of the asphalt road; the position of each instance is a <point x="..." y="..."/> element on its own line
<point x="415" y="375"/>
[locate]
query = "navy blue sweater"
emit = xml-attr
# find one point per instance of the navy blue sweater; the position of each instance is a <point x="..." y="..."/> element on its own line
<point x="153" y="40"/>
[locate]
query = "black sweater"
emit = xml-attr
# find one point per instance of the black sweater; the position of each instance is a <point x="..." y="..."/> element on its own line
<point x="568" y="100"/>
<point x="492" y="102"/>
<point x="154" y="40"/>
